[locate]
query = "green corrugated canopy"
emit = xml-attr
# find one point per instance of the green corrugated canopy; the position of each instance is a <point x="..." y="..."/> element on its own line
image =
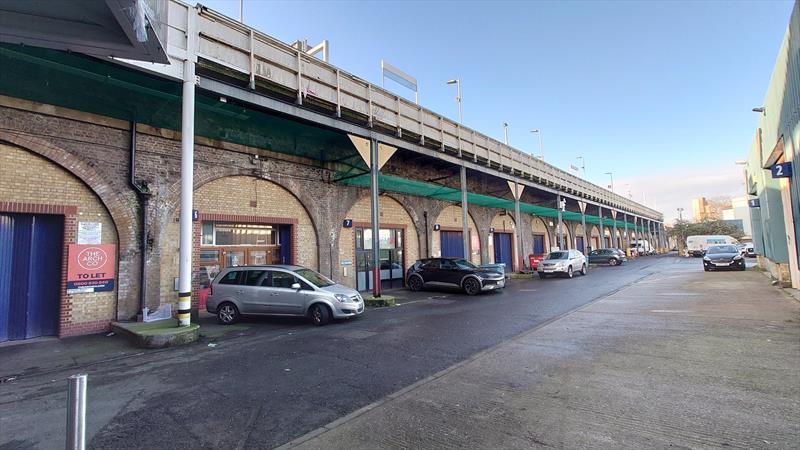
<point x="416" y="188"/>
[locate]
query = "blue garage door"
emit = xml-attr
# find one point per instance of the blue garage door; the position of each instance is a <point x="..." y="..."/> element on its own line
<point x="452" y="245"/>
<point x="538" y="244"/>
<point x="579" y="242"/>
<point x="31" y="249"/>
<point x="502" y="250"/>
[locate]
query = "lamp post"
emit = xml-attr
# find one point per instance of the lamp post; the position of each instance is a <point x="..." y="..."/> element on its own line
<point x="457" y="82"/>
<point x="505" y="132"/>
<point x="464" y="207"/>
<point x="611" y="174"/>
<point x="541" y="149"/>
<point x="680" y="214"/>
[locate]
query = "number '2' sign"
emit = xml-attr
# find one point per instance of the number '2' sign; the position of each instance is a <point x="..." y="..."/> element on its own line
<point x="782" y="170"/>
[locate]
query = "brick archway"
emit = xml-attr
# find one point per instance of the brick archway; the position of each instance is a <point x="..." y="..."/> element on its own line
<point x="120" y="206"/>
<point x="207" y="175"/>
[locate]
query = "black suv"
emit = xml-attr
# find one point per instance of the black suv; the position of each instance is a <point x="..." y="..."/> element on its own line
<point x="453" y="272"/>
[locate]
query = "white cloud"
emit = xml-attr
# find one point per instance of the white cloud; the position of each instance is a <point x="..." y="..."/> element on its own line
<point x="668" y="191"/>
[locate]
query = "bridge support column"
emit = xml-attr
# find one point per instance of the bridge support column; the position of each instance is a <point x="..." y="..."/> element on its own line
<point x="465" y="215"/>
<point x="187" y="190"/>
<point x="374" y="189"/>
<point x="560" y="223"/>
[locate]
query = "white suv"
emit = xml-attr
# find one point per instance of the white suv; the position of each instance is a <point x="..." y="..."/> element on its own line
<point x="562" y="262"/>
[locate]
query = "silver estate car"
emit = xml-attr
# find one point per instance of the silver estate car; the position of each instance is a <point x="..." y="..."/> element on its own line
<point x="562" y="262"/>
<point x="280" y="290"/>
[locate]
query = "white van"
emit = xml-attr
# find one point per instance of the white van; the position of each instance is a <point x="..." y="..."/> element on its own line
<point x="696" y="245"/>
<point x="641" y="247"/>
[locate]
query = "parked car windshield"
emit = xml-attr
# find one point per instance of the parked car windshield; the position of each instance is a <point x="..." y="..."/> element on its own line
<point x="464" y="264"/>
<point x="317" y="279"/>
<point x="722" y="249"/>
<point x="558" y="255"/>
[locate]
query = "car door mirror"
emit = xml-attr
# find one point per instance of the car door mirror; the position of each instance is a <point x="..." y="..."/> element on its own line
<point x="296" y="286"/>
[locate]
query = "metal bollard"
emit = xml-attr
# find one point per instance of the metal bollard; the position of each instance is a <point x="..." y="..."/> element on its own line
<point x="76" y="412"/>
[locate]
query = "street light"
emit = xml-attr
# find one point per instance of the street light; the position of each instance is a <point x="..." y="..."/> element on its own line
<point x="760" y="109"/>
<point x="541" y="149"/>
<point x="612" y="180"/>
<point x="680" y="214"/>
<point x="505" y="132"/>
<point x="457" y="82"/>
<point x="583" y="165"/>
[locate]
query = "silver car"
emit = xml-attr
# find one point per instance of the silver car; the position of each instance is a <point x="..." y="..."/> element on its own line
<point x="280" y="290"/>
<point x="562" y="262"/>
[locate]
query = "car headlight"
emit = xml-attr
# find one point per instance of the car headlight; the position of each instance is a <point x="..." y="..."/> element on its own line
<point x="342" y="298"/>
<point x="706" y="258"/>
<point x="737" y="257"/>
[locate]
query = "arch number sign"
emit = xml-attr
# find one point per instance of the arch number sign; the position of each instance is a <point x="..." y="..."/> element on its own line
<point x="782" y="170"/>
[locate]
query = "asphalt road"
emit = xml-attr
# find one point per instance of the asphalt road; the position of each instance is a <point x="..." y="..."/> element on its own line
<point x="273" y="380"/>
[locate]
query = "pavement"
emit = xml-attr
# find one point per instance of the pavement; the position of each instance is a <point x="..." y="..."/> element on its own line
<point x="265" y="381"/>
<point x="681" y="358"/>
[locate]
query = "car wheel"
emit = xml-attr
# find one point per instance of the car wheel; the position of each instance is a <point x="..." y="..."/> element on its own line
<point x="612" y="262"/>
<point x="706" y="269"/>
<point x="227" y="313"/>
<point x="743" y="267"/>
<point x="415" y="283"/>
<point x="542" y="275"/>
<point x="569" y="272"/>
<point x="583" y="269"/>
<point x="319" y="314"/>
<point x="471" y="286"/>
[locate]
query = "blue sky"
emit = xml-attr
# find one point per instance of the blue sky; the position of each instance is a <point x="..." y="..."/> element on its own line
<point x="656" y="92"/>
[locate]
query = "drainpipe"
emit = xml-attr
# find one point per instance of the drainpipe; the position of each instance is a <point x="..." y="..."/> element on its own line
<point x="427" y="238"/>
<point x="143" y="192"/>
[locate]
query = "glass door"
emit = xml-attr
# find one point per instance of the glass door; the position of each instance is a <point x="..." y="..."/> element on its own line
<point x="391" y="262"/>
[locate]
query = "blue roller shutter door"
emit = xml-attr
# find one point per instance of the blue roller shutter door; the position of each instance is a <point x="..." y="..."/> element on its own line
<point x="452" y="245"/>
<point x="538" y="244"/>
<point x="31" y="249"/>
<point x="502" y="250"/>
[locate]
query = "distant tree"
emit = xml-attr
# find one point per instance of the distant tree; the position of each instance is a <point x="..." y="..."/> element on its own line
<point x="683" y="228"/>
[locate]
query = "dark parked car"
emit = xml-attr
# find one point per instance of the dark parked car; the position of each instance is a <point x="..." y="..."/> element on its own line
<point x="610" y="256"/>
<point x="454" y="272"/>
<point x="723" y="257"/>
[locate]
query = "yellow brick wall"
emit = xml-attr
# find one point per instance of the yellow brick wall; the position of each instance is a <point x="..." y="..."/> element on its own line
<point x="391" y="212"/>
<point x="450" y="217"/>
<point x="29" y="178"/>
<point x="232" y="195"/>
<point x="504" y="224"/>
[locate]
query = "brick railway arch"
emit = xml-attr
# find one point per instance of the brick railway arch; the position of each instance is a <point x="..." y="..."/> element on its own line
<point x="205" y="175"/>
<point x="449" y="219"/>
<point x="539" y="227"/>
<point x="503" y="222"/>
<point x="594" y="237"/>
<point x="393" y="215"/>
<point x="236" y="196"/>
<point x="93" y="198"/>
<point x="118" y="206"/>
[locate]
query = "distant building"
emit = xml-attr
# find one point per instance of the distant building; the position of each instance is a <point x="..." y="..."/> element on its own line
<point x="700" y="209"/>
<point x="739" y="213"/>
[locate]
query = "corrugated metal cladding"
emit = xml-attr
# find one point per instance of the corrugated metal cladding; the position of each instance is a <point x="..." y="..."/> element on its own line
<point x="777" y="139"/>
<point x="31" y="250"/>
<point x="452" y="245"/>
